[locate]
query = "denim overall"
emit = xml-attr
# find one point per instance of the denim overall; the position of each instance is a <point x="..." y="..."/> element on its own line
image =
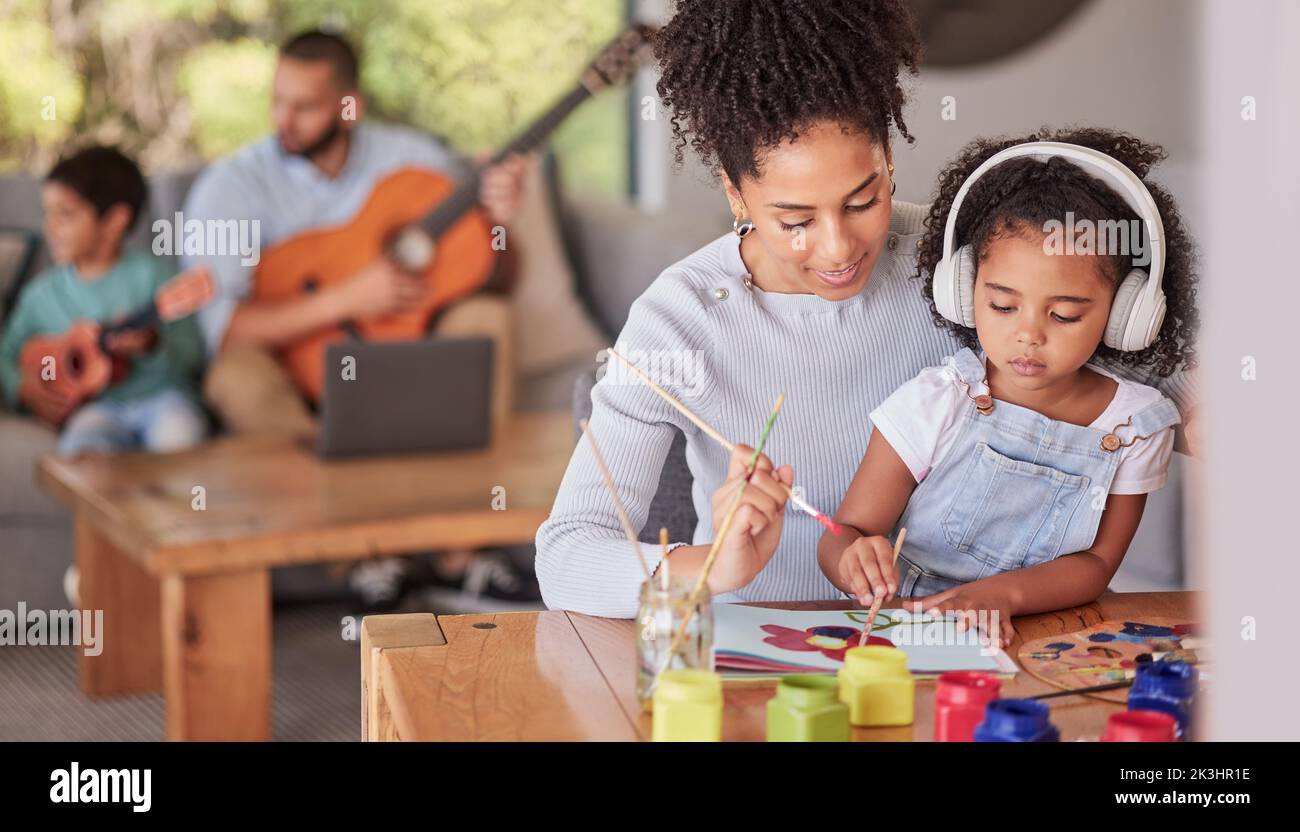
<point x="1016" y="489"/>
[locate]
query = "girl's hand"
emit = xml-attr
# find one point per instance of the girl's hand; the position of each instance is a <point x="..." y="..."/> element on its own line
<point x="867" y="568"/>
<point x="969" y="601"/>
<point x="756" y="528"/>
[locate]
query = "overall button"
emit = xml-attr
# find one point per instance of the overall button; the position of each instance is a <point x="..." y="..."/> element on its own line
<point x="721" y="294"/>
<point x="893" y="242"/>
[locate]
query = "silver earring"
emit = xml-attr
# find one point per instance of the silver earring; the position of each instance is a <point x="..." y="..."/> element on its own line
<point x="742" y="226"/>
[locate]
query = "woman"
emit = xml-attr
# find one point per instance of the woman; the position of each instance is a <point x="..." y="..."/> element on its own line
<point x="794" y="103"/>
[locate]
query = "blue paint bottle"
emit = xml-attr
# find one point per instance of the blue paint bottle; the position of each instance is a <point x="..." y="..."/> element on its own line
<point x="1016" y="720"/>
<point x="1169" y="687"/>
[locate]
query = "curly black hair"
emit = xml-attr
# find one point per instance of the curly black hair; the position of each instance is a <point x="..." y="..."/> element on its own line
<point x="1020" y="195"/>
<point x="741" y="76"/>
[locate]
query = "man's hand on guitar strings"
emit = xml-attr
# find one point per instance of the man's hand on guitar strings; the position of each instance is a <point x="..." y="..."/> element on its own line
<point x="380" y="288"/>
<point x="501" y="186"/>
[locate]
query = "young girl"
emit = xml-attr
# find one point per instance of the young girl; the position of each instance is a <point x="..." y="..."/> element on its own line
<point x="1019" y="469"/>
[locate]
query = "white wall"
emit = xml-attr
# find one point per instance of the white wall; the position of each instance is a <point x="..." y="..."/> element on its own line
<point x="1247" y="552"/>
<point x="1116" y="63"/>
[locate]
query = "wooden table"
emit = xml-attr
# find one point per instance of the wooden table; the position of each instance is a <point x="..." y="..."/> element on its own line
<point x="176" y="549"/>
<point x="564" y="676"/>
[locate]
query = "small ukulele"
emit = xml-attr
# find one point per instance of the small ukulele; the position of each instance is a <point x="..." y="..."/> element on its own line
<point x="78" y="361"/>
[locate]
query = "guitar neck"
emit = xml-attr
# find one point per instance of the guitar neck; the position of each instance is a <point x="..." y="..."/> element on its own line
<point x="466" y="194"/>
<point x="143" y="318"/>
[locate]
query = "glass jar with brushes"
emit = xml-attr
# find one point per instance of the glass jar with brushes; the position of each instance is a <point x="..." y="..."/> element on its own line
<point x="671" y="631"/>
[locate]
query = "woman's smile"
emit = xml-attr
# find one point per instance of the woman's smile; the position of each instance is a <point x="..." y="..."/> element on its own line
<point x="842" y="277"/>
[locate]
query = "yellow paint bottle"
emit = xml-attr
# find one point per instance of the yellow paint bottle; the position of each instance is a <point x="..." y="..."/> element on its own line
<point x="688" y="706"/>
<point x="877" y="686"/>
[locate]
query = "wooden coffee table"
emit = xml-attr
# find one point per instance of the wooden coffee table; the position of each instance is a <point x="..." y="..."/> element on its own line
<point x="176" y="549"/>
<point x="559" y="675"/>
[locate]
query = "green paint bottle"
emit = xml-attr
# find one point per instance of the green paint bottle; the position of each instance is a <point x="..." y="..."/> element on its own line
<point x="807" y="708"/>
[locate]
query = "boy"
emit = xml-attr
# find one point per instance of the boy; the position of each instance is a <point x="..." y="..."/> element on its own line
<point x="91" y="200"/>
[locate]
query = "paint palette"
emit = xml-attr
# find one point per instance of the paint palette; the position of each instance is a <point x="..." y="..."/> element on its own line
<point x="1106" y="652"/>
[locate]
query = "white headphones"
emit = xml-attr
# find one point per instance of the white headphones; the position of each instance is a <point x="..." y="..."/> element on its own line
<point x="1139" y="306"/>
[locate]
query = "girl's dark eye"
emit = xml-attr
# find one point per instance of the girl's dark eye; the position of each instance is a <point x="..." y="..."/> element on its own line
<point x="1064" y="320"/>
<point x="997" y="308"/>
<point x="789" y="227"/>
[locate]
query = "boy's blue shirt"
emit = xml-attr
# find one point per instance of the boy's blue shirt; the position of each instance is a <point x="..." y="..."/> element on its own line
<point x="57" y="298"/>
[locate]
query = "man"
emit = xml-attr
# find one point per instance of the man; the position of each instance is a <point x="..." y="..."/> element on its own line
<point x="316" y="172"/>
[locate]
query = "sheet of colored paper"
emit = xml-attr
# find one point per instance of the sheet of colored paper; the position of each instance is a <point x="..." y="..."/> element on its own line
<point x="764" y="640"/>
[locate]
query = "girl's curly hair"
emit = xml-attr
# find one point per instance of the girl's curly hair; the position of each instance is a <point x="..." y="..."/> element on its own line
<point x="1020" y="195"/>
<point x="741" y="76"/>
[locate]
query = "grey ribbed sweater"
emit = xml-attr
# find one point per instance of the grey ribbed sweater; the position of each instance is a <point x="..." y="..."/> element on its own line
<point x="726" y="351"/>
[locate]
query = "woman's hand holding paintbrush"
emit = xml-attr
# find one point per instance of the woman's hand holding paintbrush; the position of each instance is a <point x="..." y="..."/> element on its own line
<point x="755" y="529"/>
<point x="710" y="431"/>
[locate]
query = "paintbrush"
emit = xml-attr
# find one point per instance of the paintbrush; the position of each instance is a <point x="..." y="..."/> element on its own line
<point x="1081" y="691"/>
<point x="1095" y="689"/>
<point x="758" y="451"/>
<point x="879" y="599"/>
<point x="799" y="503"/>
<point x="702" y="582"/>
<point x="613" y="494"/>
<point x="663" y="557"/>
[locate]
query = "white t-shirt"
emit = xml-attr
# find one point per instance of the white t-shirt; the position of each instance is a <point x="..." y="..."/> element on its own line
<point x="922" y="418"/>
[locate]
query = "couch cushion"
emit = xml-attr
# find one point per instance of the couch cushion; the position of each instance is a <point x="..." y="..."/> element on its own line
<point x="618" y="250"/>
<point x="18" y="249"/>
<point x="23" y="441"/>
<point x="552" y="329"/>
<point x="672" y="507"/>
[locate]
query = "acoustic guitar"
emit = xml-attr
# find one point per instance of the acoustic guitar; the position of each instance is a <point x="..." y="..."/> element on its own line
<point x="77" y="361"/>
<point x="426" y="223"/>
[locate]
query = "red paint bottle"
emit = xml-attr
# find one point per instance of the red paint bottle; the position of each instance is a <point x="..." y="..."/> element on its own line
<point x="959" y="702"/>
<point x="1141" y="726"/>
